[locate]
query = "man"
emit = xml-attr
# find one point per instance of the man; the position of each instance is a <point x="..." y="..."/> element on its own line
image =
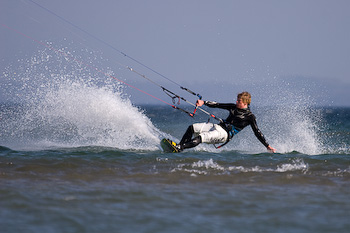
<point x="239" y="117"/>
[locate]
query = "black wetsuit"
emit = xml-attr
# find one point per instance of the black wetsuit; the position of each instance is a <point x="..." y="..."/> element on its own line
<point x="238" y="119"/>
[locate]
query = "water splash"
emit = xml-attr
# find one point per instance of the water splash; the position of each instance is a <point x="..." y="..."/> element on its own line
<point x="67" y="104"/>
<point x="286" y="116"/>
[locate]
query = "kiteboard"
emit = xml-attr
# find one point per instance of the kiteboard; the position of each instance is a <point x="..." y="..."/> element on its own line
<point x="168" y="146"/>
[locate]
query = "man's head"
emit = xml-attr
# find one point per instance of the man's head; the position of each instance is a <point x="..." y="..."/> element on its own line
<point x="243" y="99"/>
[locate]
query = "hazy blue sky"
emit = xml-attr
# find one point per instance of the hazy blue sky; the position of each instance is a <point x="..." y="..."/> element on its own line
<point x="214" y="47"/>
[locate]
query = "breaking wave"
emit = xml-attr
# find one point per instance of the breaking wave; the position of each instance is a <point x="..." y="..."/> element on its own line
<point x="209" y="166"/>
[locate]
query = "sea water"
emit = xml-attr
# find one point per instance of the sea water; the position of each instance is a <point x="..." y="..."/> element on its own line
<point x="76" y="156"/>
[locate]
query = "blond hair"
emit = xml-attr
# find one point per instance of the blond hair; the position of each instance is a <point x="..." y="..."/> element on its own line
<point x="245" y="97"/>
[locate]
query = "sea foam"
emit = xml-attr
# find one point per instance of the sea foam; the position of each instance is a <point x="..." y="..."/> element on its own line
<point x="205" y="167"/>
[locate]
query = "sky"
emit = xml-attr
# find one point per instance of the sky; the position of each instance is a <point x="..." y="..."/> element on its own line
<point x="217" y="48"/>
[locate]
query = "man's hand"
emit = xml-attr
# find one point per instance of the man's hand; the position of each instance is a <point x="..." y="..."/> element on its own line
<point x="199" y="103"/>
<point x="271" y="149"/>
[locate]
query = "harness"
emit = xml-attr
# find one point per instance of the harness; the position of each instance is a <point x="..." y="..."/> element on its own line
<point x="231" y="131"/>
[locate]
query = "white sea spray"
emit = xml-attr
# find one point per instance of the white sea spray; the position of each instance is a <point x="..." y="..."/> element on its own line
<point x="66" y="103"/>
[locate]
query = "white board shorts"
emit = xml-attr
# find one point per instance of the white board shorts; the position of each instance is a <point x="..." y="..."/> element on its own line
<point x="210" y="133"/>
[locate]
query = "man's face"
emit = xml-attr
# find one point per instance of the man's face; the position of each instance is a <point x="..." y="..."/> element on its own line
<point x="240" y="104"/>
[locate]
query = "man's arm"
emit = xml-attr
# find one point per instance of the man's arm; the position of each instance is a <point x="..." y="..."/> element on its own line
<point x="260" y="135"/>
<point x="213" y="104"/>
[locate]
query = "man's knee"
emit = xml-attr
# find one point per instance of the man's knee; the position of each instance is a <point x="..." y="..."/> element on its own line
<point x="197" y="140"/>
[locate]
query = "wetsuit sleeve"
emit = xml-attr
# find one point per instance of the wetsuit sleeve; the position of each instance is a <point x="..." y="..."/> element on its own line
<point x="257" y="132"/>
<point x="213" y="104"/>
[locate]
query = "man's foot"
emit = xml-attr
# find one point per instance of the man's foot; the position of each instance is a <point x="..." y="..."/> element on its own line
<point x="177" y="146"/>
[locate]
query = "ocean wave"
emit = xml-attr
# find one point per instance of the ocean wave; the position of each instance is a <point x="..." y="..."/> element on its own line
<point x="210" y="166"/>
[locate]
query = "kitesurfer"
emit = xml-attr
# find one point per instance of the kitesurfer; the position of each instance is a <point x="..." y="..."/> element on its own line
<point x="239" y="117"/>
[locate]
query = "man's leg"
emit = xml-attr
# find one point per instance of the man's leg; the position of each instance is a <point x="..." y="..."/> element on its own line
<point x="207" y="133"/>
<point x="187" y="141"/>
<point x="188" y="135"/>
<point x="194" y="142"/>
